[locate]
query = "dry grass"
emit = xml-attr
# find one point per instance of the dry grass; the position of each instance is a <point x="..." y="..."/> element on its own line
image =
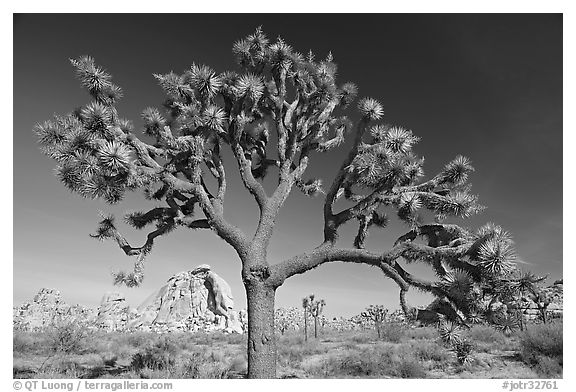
<point x="402" y="352"/>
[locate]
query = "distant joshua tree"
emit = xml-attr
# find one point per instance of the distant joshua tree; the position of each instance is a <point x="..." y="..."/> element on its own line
<point x="276" y="114"/>
<point x="527" y="284"/>
<point x="376" y="314"/>
<point x="316" y="308"/>
<point x="306" y="306"/>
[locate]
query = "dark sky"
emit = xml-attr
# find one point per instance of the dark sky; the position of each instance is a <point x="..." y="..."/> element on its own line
<point x="485" y="86"/>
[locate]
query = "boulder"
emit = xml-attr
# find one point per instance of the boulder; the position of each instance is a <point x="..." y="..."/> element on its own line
<point x="114" y="313"/>
<point x="190" y="301"/>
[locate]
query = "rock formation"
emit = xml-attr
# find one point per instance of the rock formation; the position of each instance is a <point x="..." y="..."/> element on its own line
<point x="45" y="309"/>
<point x="196" y="300"/>
<point x="114" y="313"/>
<point x="192" y="300"/>
<point x="554" y="294"/>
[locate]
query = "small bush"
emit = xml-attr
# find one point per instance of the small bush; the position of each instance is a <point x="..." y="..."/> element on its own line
<point x="541" y="346"/>
<point x="421" y="333"/>
<point x="139" y="339"/>
<point x="410" y="368"/>
<point x="542" y="339"/>
<point x="548" y="367"/>
<point x="190" y="367"/>
<point x="463" y="350"/>
<point x="362" y="337"/>
<point x="485" y="334"/>
<point x="239" y="365"/>
<point x="66" y="335"/>
<point x="430" y="351"/>
<point x="372" y="362"/>
<point x="293" y="355"/>
<point x="392" y="332"/>
<point x="159" y="356"/>
<point x="25" y="342"/>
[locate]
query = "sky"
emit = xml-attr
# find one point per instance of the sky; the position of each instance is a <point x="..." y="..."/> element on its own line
<point x="487" y="86"/>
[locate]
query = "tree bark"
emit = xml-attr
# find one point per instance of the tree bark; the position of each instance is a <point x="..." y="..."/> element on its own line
<point x="305" y="326"/>
<point x="261" y="337"/>
<point x="315" y="327"/>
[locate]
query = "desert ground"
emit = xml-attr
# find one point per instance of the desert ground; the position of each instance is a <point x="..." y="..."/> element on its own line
<point x="403" y="351"/>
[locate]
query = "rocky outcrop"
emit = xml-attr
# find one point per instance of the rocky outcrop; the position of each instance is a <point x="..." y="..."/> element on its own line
<point x="45" y="309"/>
<point x="191" y="301"/>
<point x="114" y="314"/>
<point x="553" y="295"/>
<point x="196" y="300"/>
<point x="551" y="298"/>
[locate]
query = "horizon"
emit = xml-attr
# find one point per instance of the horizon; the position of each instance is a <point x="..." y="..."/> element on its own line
<point x="495" y="94"/>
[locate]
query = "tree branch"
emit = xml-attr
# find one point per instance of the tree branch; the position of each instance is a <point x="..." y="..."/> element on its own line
<point x="330" y="226"/>
<point x="245" y="166"/>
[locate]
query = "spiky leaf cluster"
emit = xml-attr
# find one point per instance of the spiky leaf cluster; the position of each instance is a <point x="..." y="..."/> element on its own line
<point x="387" y="161"/>
<point x="96" y="81"/>
<point x="450" y="332"/>
<point x="463" y="350"/>
<point x="494" y="250"/>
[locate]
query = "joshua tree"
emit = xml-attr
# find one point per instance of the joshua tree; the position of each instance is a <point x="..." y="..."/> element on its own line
<point x="509" y="296"/>
<point x="314" y="308"/>
<point x="528" y="284"/>
<point x="376" y="314"/>
<point x="306" y="306"/>
<point x="280" y="110"/>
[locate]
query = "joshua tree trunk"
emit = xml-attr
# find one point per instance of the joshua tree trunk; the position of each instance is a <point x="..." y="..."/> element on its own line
<point x="378" y="329"/>
<point x="315" y="327"/>
<point x="543" y="313"/>
<point x="305" y="326"/>
<point x="261" y="338"/>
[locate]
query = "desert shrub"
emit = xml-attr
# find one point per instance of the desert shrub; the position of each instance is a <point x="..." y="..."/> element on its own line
<point x="139" y="339"/>
<point x="109" y="359"/>
<point x="201" y="364"/>
<point x="542" y="344"/>
<point x="392" y="332"/>
<point x="189" y="366"/>
<point x="234" y="338"/>
<point x="67" y="367"/>
<point x="26" y="342"/>
<point x="548" y="367"/>
<point x="485" y="334"/>
<point x="430" y="351"/>
<point x="158" y="356"/>
<point x="66" y="335"/>
<point x="362" y="337"/>
<point x="463" y="350"/>
<point x="293" y="355"/>
<point x="421" y="333"/>
<point x="290" y="338"/>
<point x="353" y="364"/>
<point x="239" y="364"/>
<point x="372" y="362"/>
<point x="410" y="368"/>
